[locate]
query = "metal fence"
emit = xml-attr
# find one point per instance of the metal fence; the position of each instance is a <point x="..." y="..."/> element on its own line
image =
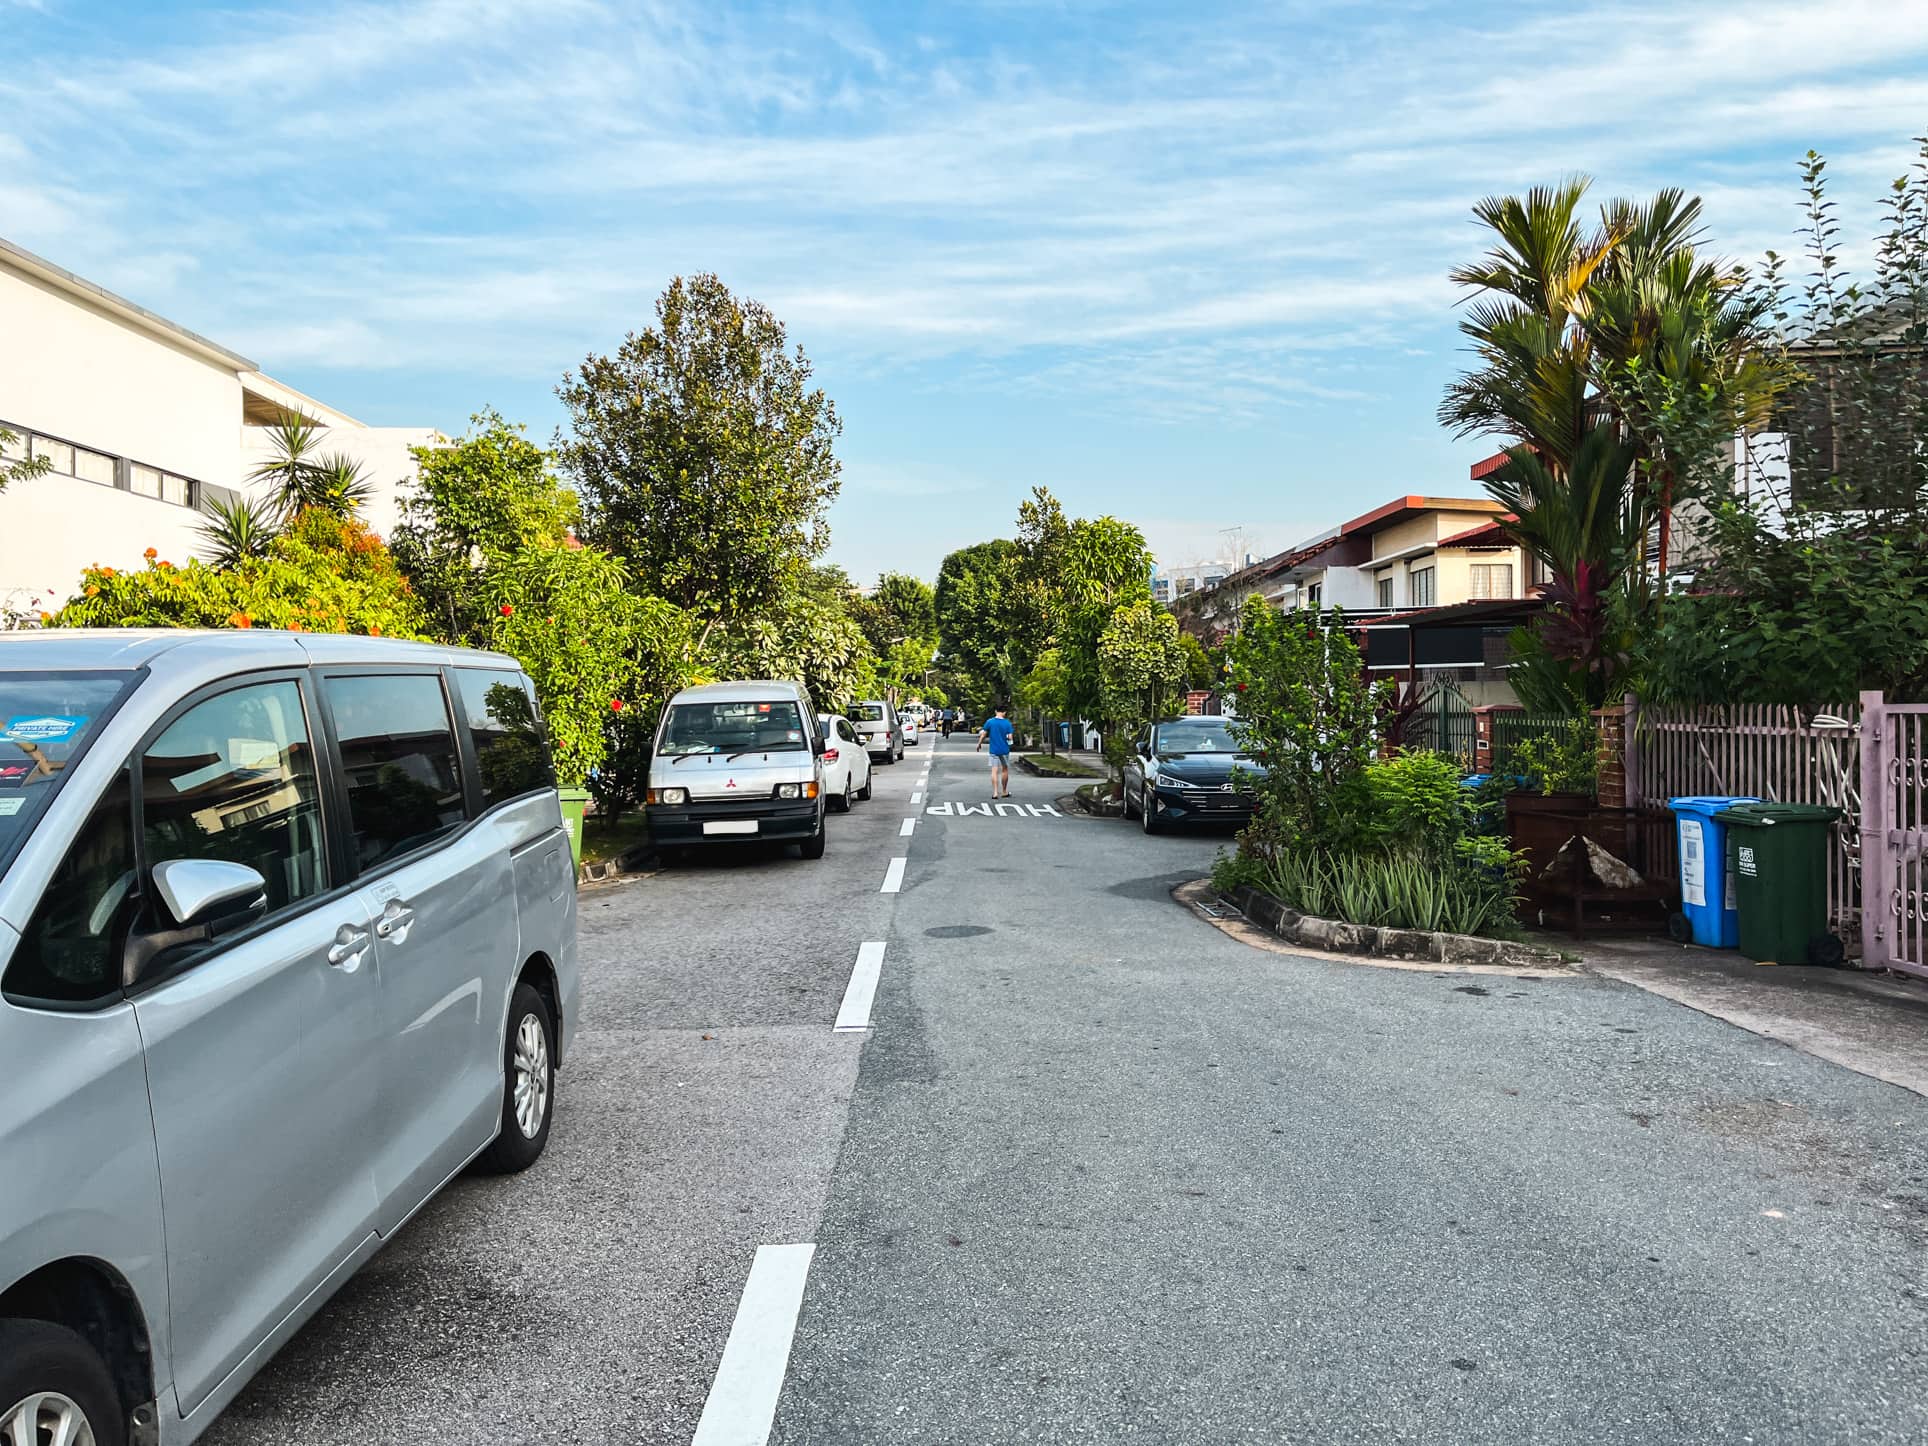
<point x="1510" y="727"/>
<point x="1445" y="723"/>
<point x="1784" y="755"/>
<point x="1894" y="784"/>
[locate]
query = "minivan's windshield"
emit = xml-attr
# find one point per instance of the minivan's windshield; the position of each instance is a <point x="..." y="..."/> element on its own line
<point x="733" y="728"/>
<point x="1196" y="735"/>
<point x="867" y="713"/>
<point x="46" y="721"/>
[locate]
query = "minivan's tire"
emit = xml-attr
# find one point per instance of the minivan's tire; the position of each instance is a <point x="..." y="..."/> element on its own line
<point x="528" y="1066"/>
<point x="38" y="1359"/>
<point x="812" y="847"/>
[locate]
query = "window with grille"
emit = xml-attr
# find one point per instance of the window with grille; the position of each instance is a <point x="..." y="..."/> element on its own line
<point x="1385" y="591"/>
<point x="1423" y="587"/>
<point x="1492" y="580"/>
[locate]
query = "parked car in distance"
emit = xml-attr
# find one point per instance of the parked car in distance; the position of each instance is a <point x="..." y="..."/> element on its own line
<point x="846" y="762"/>
<point x="1182" y="771"/>
<point x="735" y="762"/>
<point x="880" y="728"/>
<point x="287" y="941"/>
<point x="911" y="730"/>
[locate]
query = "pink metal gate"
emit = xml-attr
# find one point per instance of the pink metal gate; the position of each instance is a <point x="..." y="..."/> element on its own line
<point x="1894" y="828"/>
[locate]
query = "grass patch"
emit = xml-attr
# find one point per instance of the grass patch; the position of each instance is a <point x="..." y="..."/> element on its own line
<point x="603" y="840"/>
<point x="1059" y="767"/>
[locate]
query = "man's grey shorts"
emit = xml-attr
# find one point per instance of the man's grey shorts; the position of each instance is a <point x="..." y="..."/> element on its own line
<point x="1000" y="760"/>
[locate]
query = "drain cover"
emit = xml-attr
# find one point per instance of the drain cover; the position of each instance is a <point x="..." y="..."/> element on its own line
<point x="1217" y="909"/>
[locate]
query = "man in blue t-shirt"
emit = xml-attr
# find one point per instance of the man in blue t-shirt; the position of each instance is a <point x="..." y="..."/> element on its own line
<point x="997" y="733"/>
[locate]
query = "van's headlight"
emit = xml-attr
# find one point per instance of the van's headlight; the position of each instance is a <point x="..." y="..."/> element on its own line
<point x="789" y="790"/>
<point x="669" y="795"/>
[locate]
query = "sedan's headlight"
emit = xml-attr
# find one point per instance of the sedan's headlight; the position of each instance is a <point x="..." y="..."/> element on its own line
<point x="669" y="795"/>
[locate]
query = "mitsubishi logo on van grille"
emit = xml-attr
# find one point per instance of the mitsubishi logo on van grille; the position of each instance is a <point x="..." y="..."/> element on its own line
<point x="729" y="783"/>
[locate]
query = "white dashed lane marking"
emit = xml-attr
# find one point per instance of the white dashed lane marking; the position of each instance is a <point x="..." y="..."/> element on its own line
<point x="743" y="1397"/>
<point x="862" y="989"/>
<point x="910" y="824"/>
<point x="894" y="876"/>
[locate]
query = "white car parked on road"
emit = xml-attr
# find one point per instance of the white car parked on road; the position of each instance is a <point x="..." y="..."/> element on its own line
<point x="846" y="762"/>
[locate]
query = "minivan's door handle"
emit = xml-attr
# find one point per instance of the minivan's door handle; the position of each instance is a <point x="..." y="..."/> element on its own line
<point x="350" y="944"/>
<point x="395" y="921"/>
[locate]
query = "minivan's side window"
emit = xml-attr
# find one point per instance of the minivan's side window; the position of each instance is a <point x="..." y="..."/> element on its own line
<point x="233" y="778"/>
<point x="398" y="761"/>
<point x="501" y="718"/>
<point x="70" y="951"/>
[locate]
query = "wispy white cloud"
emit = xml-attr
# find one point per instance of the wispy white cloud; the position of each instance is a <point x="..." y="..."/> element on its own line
<point x="1132" y="211"/>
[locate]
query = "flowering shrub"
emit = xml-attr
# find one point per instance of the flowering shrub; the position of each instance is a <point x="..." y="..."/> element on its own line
<point x="325" y="575"/>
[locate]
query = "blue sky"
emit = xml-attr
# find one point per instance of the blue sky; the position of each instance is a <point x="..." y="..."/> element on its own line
<point x="1185" y="264"/>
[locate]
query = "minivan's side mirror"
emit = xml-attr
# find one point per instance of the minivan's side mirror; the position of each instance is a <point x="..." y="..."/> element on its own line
<point x="204" y="898"/>
<point x="212" y="892"/>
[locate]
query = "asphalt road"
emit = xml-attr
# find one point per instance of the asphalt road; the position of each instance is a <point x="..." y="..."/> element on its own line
<point x="1101" y="1173"/>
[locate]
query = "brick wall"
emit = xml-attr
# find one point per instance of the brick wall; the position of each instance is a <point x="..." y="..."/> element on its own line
<point x="1612" y="784"/>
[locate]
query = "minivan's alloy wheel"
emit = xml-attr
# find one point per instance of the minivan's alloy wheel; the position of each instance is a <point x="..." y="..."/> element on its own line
<point x="54" y="1388"/>
<point x="528" y="1086"/>
<point x="49" y="1417"/>
<point x="531" y="1065"/>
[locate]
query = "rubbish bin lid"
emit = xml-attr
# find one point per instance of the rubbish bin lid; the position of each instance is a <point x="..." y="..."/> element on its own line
<point x="1760" y="815"/>
<point x="1707" y="803"/>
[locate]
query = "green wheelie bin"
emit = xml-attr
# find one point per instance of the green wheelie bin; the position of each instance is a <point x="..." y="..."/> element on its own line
<point x="1777" y="858"/>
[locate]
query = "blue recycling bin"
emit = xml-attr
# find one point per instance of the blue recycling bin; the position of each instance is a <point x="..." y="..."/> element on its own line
<point x="1706" y="888"/>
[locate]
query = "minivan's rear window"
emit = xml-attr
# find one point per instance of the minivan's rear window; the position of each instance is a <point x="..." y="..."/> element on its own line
<point x="733" y="728"/>
<point x="46" y="721"/>
<point x="867" y="713"/>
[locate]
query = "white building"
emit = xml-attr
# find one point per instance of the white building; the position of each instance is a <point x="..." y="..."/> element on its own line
<point x="1171" y="582"/>
<point x="145" y="423"/>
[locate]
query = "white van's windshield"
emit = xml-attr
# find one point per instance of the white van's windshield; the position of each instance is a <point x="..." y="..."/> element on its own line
<point x="733" y="728"/>
<point x="46" y="720"/>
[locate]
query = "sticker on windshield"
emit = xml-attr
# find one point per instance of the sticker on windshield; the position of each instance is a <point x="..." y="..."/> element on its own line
<point x="11" y="806"/>
<point x="43" y="728"/>
<point x="15" y="775"/>
<point x="795" y="735"/>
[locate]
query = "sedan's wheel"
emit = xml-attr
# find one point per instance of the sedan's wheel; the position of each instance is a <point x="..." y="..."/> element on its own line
<point x="54" y="1388"/>
<point x="1148" y="811"/>
<point x="528" y="1086"/>
<point x="849" y="797"/>
<point x="1131" y="809"/>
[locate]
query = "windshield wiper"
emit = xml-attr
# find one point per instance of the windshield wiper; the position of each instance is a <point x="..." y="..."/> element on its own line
<point x="734" y="756"/>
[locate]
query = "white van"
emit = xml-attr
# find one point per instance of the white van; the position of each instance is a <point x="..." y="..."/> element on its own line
<point x="738" y="761"/>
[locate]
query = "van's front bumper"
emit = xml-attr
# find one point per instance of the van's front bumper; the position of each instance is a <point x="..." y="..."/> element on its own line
<point x="677" y="825"/>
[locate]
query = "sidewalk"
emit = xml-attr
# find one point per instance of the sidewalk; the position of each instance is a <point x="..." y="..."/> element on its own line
<point x="1874" y="1024"/>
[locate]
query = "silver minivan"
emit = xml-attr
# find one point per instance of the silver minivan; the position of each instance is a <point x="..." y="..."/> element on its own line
<point x="287" y="941"/>
<point x="882" y="729"/>
<point x="735" y="762"/>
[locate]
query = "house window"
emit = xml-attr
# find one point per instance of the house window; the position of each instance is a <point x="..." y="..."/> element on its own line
<point x="143" y="481"/>
<point x="67" y="459"/>
<point x="1423" y="588"/>
<point x="1492" y="580"/>
<point x="57" y="454"/>
<point x="1315" y="596"/>
<point x="93" y="467"/>
<point x="1384" y="591"/>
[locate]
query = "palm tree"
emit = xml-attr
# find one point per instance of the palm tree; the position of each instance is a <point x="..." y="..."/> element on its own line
<point x="301" y="478"/>
<point x="238" y="530"/>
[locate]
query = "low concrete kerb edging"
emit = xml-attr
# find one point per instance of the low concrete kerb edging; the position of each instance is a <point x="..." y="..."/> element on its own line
<point x="1338" y="937"/>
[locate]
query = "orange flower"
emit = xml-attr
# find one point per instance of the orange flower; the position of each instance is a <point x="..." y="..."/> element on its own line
<point x="166" y="566"/>
<point x="92" y="591"/>
<point x="374" y="630"/>
<point x="107" y="572"/>
<point x="294" y="627"/>
<point x="151" y="553"/>
<point x="506" y="610"/>
<point x="240" y="620"/>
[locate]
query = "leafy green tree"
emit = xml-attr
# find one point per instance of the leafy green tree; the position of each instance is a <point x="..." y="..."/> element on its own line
<point x="603" y="658"/>
<point x="1810" y="592"/>
<point x="1307" y="715"/>
<point x="901" y="607"/>
<point x="325" y="574"/>
<point x="977" y="602"/>
<point x="807" y="635"/>
<point x="1141" y="667"/>
<point x="703" y="455"/>
<point x="476" y="504"/>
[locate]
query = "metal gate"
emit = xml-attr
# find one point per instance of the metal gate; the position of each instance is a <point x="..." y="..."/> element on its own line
<point x="1444" y="723"/>
<point x="1894" y="829"/>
